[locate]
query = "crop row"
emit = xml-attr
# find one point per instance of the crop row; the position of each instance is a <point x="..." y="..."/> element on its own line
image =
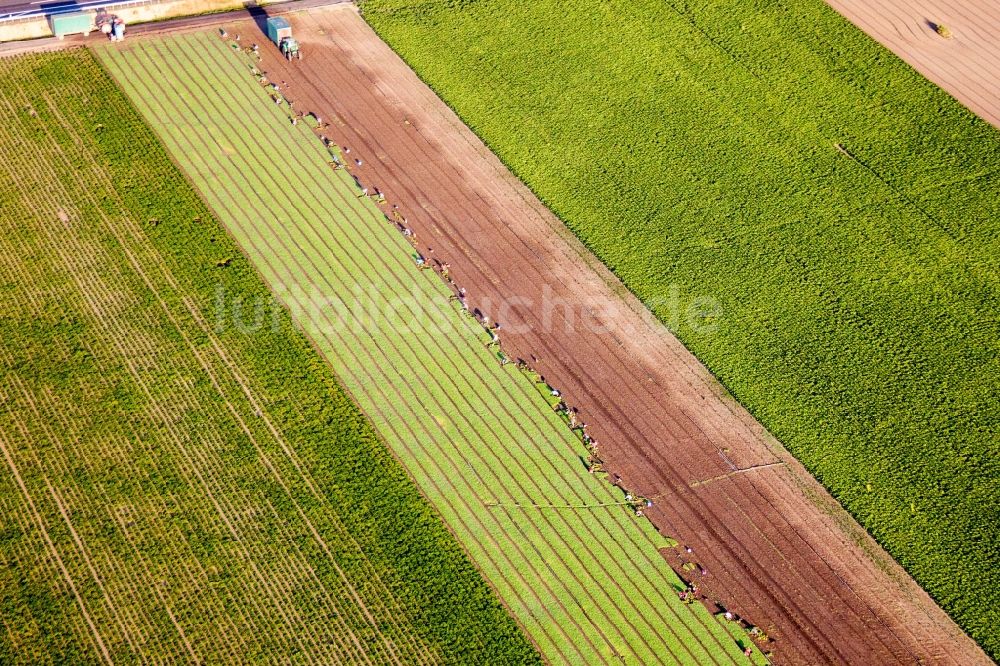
<point x="481" y="443"/>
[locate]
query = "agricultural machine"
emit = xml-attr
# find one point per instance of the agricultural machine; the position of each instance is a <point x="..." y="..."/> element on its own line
<point x="280" y="32"/>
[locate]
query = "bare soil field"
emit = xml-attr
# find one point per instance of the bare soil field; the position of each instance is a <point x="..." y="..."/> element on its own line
<point x="955" y="44"/>
<point x="766" y="540"/>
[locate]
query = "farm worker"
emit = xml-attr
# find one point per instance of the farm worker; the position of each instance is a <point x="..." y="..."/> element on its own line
<point x="748" y="652"/>
<point x="729" y="616"/>
<point x="358" y="162"/>
<point x="364" y="192"/>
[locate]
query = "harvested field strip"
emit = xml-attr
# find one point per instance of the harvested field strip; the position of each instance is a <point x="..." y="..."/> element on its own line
<point x="841" y="209"/>
<point x="168" y="494"/>
<point x="587" y="584"/>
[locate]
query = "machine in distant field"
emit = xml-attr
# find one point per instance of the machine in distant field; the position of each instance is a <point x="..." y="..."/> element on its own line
<point x="280" y="32"/>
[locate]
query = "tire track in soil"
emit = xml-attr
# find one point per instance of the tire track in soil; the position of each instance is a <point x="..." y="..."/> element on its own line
<point x="825" y="547"/>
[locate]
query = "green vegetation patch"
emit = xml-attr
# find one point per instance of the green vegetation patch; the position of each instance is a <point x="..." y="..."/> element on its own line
<point x="844" y="212"/>
<point x="174" y="488"/>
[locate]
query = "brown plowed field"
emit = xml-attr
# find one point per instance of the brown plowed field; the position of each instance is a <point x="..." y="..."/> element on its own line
<point x="966" y="64"/>
<point x="776" y="548"/>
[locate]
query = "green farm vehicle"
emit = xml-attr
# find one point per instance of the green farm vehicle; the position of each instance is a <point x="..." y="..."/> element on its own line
<point x="280" y="32"/>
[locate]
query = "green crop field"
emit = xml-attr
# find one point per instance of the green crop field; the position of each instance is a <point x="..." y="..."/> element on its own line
<point x="577" y="569"/>
<point x="173" y="488"/>
<point x="695" y="144"/>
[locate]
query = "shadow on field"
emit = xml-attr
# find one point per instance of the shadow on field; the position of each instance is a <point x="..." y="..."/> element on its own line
<point x="259" y="16"/>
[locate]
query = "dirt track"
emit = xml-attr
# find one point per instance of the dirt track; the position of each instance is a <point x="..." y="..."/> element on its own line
<point x="776" y="547"/>
<point x="966" y="65"/>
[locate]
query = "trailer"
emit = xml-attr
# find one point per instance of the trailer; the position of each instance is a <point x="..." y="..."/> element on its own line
<point x="279" y="31"/>
<point x="74" y="23"/>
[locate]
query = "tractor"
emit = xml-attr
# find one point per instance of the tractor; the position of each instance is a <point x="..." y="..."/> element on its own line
<point x="280" y="32"/>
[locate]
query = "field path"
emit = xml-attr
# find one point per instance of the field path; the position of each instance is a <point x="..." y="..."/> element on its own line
<point x="776" y="548"/>
<point x="966" y="64"/>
